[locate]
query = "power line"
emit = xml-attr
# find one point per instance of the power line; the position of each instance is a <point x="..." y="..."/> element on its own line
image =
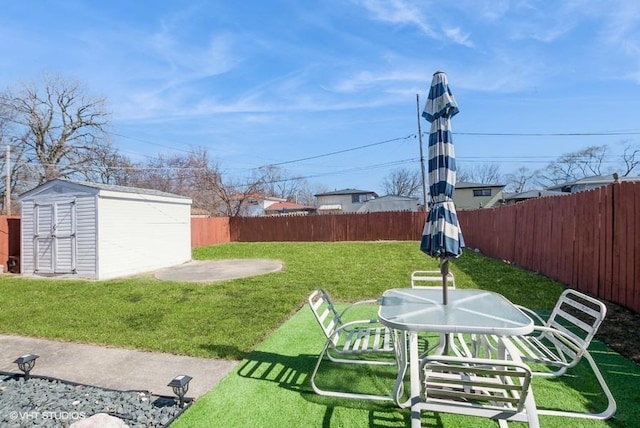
<point x="343" y="151"/>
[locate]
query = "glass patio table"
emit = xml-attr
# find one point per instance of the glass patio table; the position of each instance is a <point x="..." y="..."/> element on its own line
<point x="416" y="310"/>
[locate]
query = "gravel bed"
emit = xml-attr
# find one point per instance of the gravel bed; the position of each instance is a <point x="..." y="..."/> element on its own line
<point x="44" y="402"/>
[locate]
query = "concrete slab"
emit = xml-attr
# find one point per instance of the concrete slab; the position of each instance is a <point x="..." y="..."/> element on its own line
<point x="218" y="270"/>
<point x="113" y="368"/>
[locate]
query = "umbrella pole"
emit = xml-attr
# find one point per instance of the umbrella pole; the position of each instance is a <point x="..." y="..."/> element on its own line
<point x="424" y="183"/>
<point x="444" y="270"/>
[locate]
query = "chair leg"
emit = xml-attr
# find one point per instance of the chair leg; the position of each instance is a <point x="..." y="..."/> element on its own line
<point x="611" y="402"/>
<point x="339" y="394"/>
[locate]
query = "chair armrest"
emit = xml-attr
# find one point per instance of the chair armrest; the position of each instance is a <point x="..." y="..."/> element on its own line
<point x="361" y="302"/>
<point x="566" y="339"/>
<point x="362" y="322"/>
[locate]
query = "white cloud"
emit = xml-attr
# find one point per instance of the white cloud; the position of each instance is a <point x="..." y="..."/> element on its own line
<point x="399" y="12"/>
<point x="458" y="36"/>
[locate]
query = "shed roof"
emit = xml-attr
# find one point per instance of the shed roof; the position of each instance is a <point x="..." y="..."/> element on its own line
<point x="101" y="186"/>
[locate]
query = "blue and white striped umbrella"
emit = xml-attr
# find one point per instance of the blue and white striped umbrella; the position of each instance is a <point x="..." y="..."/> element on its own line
<point x="441" y="237"/>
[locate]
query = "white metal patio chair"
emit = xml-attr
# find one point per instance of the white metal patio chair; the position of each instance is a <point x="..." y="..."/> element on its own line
<point x="430" y="278"/>
<point x="495" y="389"/>
<point x="362" y="341"/>
<point x="561" y="342"/>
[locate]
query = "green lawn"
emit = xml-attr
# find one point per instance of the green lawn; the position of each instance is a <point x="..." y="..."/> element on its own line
<point x="230" y="319"/>
<point x="219" y="320"/>
<point x="270" y="388"/>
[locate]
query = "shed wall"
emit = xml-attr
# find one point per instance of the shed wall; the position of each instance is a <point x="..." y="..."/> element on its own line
<point x="85" y="241"/>
<point x="27" y="228"/>
<point x="87" y="237"/>
<point x="136" y="236"/>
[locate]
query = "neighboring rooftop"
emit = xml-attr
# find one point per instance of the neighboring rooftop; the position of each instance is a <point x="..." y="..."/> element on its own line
<point x="288" y="206"/>
<point x="590" y="182"/>
<point x="531" y="194"/>
<point x="469" y="185"/>
<point x="348" y="192"/>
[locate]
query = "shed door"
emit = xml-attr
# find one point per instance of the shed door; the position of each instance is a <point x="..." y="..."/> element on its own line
<point x="55" y="238"/>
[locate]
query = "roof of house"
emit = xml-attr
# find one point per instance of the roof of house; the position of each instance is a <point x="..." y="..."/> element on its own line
<point x="468" y="185"/>
<point x="530" y="194"/>
<point x="595" y="179"/>
<point x="255" y="197"/>
<point x="398" y="198"/>
<point x="347" y="192"/>
<point x="289" y="206"/>
<point x="329" y="207"/>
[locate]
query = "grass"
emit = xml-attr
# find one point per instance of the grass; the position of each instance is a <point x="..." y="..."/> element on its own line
<point x="236" y="320"/>
<point x="270" y="388"/>
<point x="218" y="320"/>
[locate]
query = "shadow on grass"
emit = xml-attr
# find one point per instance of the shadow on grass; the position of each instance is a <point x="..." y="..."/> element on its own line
<point x="224" y="351"/>
<point x="621" y="375"/>
<point x="520" y="286"/>
<point x="290" y="372"/>
<point x="274" y="381"/>
<point x="293" y="372"/>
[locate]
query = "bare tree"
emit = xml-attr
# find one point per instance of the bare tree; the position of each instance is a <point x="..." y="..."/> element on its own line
<point x="277" y="183"/>
<point x="57" y="128"/>
<point x="403" y="182"/>
<point x="235" y="194"/>
<point x="630" y="158"/>
<point x="521" y="180"/>
<point x="197" y="176"/>
<point x="107" y="166"/>
<point x="579" y="164"/>
<point x="488" y="173"/>
<point x="189" y="175"/>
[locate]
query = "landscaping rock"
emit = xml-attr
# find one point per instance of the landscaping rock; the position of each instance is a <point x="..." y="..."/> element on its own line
<point x="45" y="402"/>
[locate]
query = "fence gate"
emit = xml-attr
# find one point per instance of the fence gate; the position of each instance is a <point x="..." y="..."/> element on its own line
<point x="54" y="240"/>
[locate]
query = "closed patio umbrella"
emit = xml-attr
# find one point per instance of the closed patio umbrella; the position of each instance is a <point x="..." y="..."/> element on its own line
<point x="441" y="237"/>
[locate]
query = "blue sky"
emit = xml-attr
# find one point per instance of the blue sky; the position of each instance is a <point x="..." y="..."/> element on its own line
<point x="270" y="82"/>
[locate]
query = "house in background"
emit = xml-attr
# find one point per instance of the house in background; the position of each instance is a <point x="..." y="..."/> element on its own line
<point x="513" y="198"/>
<point x="255" y="204"/>
<point x="200" y="213"/>
<point x="471" y="196"/>
<point x="390" y="203"/>
<point x="343" y="201"/>
<point x="288" y="208"/>
<point x="588" y="183"/>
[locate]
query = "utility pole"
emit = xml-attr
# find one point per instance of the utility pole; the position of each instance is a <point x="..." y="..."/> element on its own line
<point x="424" y="184"/>
<point x="7" y="182"/>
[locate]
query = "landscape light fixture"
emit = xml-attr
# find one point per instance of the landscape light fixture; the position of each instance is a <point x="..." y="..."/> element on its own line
<point x="26" y="363"/>
<point x="180" y="385"/>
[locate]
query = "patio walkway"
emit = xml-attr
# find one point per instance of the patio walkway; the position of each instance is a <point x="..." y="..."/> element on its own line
<point x="113" y="368"/>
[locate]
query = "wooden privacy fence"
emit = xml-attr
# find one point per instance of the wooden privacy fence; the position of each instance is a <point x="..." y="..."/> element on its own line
<point x="208" y="231"/>
<point x="9" y="239"/>
<point x="401" y="226"/>
<point x="587" y="240"/>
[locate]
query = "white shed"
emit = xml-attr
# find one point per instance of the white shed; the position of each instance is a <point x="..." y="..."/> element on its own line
<point x="100" y="231"/>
